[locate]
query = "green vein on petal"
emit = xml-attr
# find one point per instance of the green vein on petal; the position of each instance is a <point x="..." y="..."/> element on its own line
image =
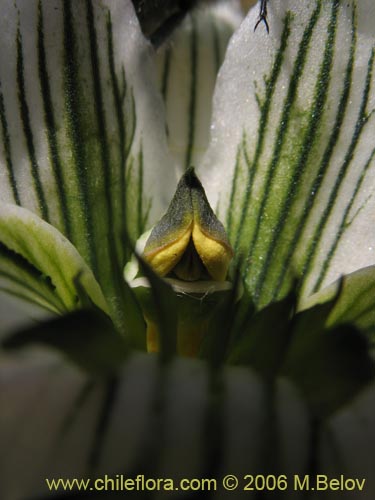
<point x="80" y="117"/>
<point x="187" y="69"/>
<point x="291" y="160"/>
<point x="24" y="282"/>
<point x="38" y="264"/>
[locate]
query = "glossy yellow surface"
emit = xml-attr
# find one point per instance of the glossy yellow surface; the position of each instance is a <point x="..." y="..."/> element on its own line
<point x="164" y="259"/>
<point x="215" y="255"/>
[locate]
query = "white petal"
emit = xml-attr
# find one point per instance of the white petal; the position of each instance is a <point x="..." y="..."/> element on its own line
<point x="82" y="134"/>
<point x="347" y="444"/>
<point x="91" y="427"/>
<point x="56" y="422"/>
<point x="14" y="317"/>
<point x="290" y="164"/>
<point x="187" y="70"/>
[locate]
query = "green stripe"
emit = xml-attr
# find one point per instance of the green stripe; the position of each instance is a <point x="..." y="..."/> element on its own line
<point x="193" y="92"/>
<point x="78" y="404"/>
<point x="72" y="105"/>
<point x="283" y="127"/>
<point x="351" y="310"/>
<point x="25" y="298"/>
<point x="7" y="150"/>
<point x="361" y="316"/>
<point x="133" y="122"/>
<point x="147" y="205"/>
<point x="344" y="225"/>
<point x="50" y="124"/>
<point x="28" y="254"/>
<point x="356" y="192"/>
<point x="105" y="413"/>
<point x="320" y="176"/>
<point x="263" y="123"/>
<point x="132" y="179"/>
<point x="360" y="124"/>
<point x="112" y="281"/>
<point x="21" y="283"/>
<point x="119" y="111"/>
<point x="103" y="139"/>
<point x="218" y="56"/>
<point x="152" y="440"/>
<point x="166" y="73"/>
<point x="31" y="298"/>
<point x="126" y="122"/>
<point x="315" y="113"/>
<point x="233" y="194"/>
<point x="25" y="118"/>
<point x="9" y="258"/>
<point x="140" y="192"/>
<point x="214" y="427"/>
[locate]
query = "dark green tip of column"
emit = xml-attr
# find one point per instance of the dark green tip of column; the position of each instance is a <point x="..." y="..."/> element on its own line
<point x="190" y="179"/>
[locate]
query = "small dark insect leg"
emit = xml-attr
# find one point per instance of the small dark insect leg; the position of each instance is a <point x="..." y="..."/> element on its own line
<point x="262" y="15"/>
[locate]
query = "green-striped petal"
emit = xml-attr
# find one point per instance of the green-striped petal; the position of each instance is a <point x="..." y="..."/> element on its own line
<point x="168" y="422"/>
<point x="187" y="69"/>
<point x="39" y="265"/>
<point x="291" y="161"/>
<point x="346" y="441"/>
<point x="80" y="118"/>
<point x="355" y="302"/>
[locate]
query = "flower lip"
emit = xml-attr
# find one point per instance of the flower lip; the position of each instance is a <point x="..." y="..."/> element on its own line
<point x="189" y="242"/>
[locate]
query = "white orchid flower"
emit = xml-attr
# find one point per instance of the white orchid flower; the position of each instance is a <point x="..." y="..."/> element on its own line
<point x="96" y="129"/>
